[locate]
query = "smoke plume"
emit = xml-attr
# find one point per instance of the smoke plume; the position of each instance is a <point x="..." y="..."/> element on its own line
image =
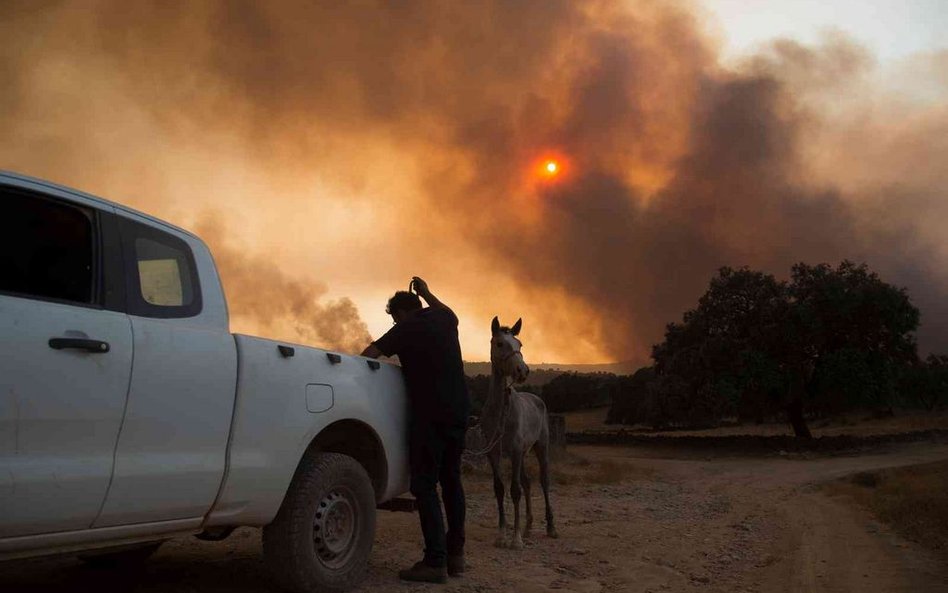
<point x="364" y="143"/>
<point x="265" y="298"/>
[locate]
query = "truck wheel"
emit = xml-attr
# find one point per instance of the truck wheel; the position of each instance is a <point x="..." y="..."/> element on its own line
<point x="126" y="558"/>
<point x="322" y="536"/>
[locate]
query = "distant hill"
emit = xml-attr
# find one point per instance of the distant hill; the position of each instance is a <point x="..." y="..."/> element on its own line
<point x="544" y="372"/>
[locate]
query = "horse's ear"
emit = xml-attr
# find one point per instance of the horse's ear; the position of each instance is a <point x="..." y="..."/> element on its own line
<point x="516" y="327"/>
<point x="495" y="326"/>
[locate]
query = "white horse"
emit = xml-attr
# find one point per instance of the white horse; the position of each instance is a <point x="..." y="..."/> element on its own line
<point x="514" y="421"/>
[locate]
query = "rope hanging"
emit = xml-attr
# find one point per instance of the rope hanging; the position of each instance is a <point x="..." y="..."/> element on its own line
<point x="467" y="455"/>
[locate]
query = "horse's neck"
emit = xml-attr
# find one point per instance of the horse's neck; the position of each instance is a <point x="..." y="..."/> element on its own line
<point x="496" y="399"/>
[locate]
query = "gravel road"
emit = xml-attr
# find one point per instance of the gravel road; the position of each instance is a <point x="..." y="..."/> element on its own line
<point x="653" y="524"/>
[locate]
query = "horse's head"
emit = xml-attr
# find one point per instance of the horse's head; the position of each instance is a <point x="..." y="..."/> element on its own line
<point x="505" y="352"/>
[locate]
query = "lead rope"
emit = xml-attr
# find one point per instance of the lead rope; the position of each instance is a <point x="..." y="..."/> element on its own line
<point x="468" y="456"/>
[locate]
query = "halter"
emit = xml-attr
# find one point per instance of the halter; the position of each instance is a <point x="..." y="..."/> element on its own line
<point x="512" y="352"/>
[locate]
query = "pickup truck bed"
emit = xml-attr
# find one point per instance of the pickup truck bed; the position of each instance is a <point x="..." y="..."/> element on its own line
<point x="262" y="460"/>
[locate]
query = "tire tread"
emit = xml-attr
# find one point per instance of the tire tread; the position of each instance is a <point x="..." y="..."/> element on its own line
<point x="285" y="548"/>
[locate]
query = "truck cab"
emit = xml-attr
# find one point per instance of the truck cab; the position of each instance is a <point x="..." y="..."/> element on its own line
<point x="130" y="414"/>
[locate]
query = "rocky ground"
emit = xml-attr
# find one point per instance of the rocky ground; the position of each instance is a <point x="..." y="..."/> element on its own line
<point x="628" y="521"/>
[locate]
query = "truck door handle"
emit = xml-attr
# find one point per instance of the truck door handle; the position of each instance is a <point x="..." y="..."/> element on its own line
<point x="94" y="346"/>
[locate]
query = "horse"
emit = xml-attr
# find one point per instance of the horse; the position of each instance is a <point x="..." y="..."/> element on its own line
<point x="513" y="422"/>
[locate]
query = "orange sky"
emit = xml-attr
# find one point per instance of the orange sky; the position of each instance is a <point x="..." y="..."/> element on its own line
<point x="335" y="152"/>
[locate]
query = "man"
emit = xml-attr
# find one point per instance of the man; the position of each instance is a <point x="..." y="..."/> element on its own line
<point x="426" y="342"/>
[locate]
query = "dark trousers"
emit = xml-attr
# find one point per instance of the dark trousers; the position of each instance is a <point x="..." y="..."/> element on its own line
<point x="435" y="456"/>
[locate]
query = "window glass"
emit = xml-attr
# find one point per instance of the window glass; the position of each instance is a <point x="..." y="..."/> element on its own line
<point x="46" y="248"/>
<point x="161" y="277"/>
<point x="164" y="274"/>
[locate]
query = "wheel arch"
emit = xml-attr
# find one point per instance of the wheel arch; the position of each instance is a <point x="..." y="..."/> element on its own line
<point x="357" y="440"/>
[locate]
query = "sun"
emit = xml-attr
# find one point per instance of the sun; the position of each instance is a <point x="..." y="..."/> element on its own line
<point x="550" y="168"/>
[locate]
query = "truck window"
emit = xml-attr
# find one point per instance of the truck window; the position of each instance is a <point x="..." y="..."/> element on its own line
<point x="162" y="277"/>
<point x="47" y="248"/>
<point x="162" y="273"/>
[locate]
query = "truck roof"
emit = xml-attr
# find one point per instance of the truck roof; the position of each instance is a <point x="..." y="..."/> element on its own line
<point x="36" y="181"/>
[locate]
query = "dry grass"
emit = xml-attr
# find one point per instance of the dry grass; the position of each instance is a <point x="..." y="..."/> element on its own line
<point x="570" y="469"/>
<point x="913" y="500"/>
<point x="854" y="424"/>
<point x="581" y="420"/>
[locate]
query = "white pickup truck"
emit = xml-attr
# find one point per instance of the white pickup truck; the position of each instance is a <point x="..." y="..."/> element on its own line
<point x="129" y="414"/>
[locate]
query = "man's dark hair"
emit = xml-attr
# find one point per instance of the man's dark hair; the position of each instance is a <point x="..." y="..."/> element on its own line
<point x="403" y="301"/>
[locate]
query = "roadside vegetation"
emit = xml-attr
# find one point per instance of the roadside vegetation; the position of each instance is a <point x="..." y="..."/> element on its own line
<point x="910" y="499"/>
<point x="757" y="349"/>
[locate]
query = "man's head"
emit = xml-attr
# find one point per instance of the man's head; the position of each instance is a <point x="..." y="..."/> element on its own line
<point x="402" y="305"/>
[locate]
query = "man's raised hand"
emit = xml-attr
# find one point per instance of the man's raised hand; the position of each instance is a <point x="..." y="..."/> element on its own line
<point x="420" y="287"/>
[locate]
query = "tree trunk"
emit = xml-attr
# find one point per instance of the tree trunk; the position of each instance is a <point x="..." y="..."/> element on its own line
<point x="795" y="416"/>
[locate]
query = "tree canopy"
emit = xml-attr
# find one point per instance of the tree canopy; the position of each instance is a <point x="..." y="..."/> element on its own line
<point x="827" y="340"/>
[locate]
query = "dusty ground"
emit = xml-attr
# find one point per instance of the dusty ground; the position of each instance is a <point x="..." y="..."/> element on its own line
<point x="629" y="521"/>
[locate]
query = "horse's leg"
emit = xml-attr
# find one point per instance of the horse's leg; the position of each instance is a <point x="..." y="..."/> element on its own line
<point x="543" y="458"/>
<point x="494" y="458"/>
<point x="525" y="482"/>
<point x="516" y="468"/>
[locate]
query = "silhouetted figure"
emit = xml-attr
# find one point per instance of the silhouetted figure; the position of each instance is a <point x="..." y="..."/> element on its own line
<point x="426" y="343"/>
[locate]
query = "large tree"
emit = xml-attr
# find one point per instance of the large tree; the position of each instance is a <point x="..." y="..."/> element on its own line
<point x="725" y="350"/>
<point x="848" y="335"/>
<point x="826" y="340"/>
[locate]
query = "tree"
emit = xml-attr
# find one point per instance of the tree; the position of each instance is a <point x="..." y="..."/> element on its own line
<point x="478" y="387"/>
<point x="726" y="351"/>
<point x="927" y="381"/>
<point x="827" y="340"/>
<point x="577" y="391"/>
<point x="632" y="403"/>
<point x="847" y="335"/>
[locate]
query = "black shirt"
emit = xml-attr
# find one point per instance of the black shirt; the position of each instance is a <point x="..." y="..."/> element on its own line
<point x="427" y="346"/>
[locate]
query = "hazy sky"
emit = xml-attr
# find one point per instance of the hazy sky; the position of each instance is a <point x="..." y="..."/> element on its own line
<point x="891" y="29"/>
<point x="328" y="151"/>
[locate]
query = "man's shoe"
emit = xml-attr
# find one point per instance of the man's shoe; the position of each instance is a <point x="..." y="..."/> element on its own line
<point x="456" y="565"/>
<point x="422" y="573"/>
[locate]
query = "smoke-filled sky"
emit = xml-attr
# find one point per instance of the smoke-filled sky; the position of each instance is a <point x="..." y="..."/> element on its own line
<point x="328" y="152"/>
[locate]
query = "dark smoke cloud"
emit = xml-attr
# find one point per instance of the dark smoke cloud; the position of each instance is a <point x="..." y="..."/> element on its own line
<point x="675" y="164"/>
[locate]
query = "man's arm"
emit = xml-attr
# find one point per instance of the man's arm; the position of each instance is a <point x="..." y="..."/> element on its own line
<point x="388" y="345"/>
<point x="421" y="288"/>
<point x="372" y="351"/>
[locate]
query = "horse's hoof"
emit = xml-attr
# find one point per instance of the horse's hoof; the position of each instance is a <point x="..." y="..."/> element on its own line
<point x="551" y="532"/>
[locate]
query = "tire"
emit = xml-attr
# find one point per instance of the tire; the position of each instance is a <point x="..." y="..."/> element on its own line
<point x="322" y="536"/>
<point x="127" y="558"/>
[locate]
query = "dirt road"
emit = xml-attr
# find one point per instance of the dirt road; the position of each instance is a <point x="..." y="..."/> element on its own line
<point x="628" y="520"/>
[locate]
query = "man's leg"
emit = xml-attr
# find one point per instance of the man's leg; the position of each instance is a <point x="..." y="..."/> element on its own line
<point x="452" y="491"/>
<point x="426" y="451"/>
